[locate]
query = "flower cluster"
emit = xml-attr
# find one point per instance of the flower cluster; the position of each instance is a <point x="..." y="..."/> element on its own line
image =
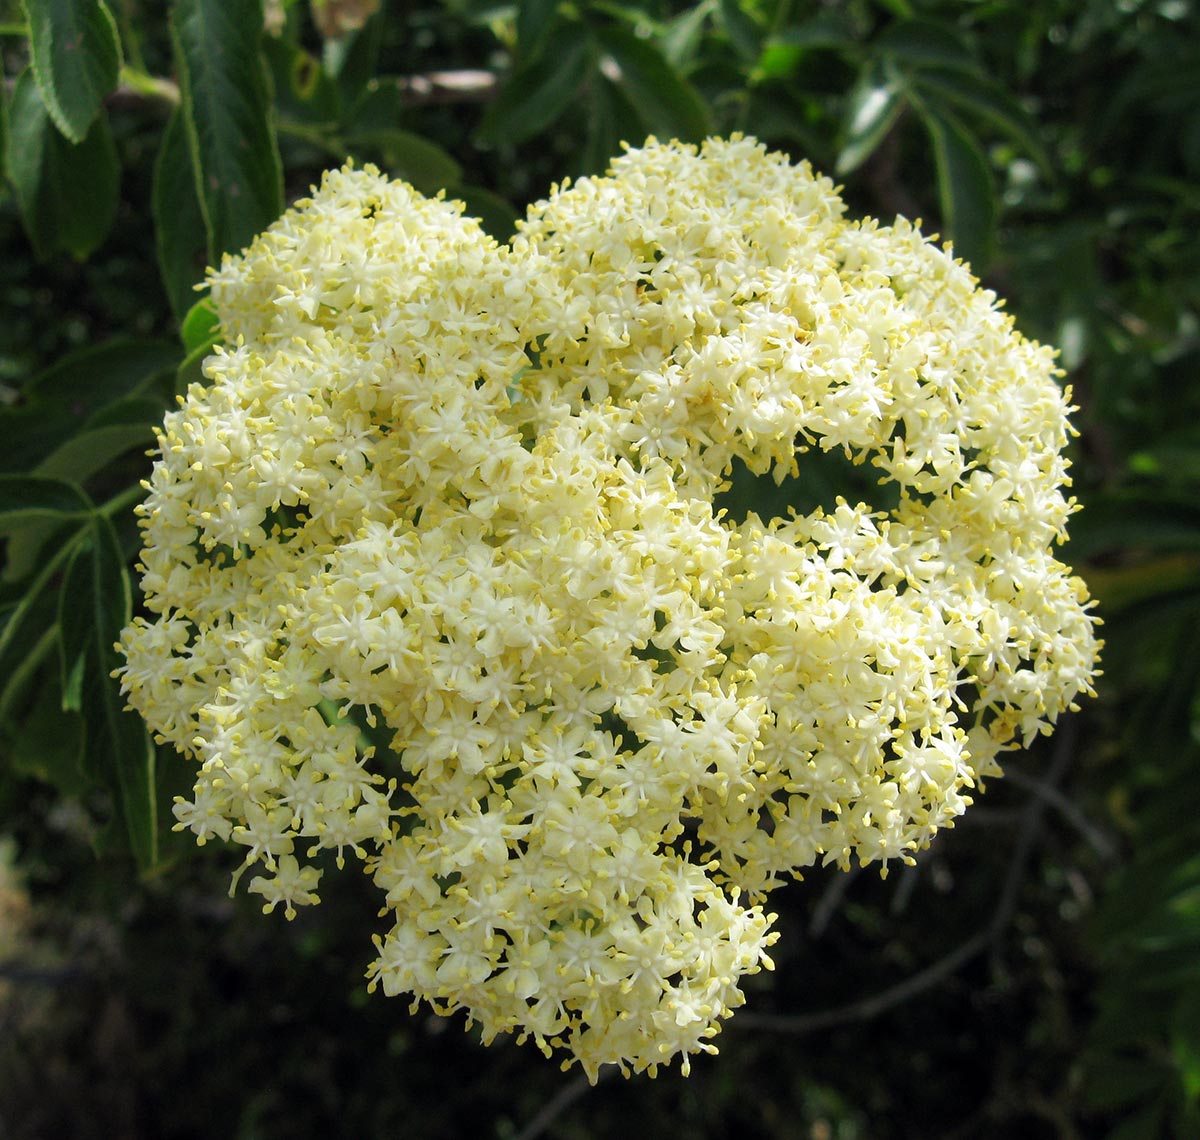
<point x="445" y="574"/>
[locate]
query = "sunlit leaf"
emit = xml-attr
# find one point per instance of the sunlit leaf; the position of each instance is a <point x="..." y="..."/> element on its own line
<point x="201" y="327"/>
<point x="682" y="36"/>
<point x="871" y="111"/>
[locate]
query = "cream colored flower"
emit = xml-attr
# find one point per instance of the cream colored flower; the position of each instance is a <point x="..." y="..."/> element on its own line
<point x="440" y="577"/>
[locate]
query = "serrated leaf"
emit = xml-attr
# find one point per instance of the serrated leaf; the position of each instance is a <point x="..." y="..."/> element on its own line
<point x="541" y="91"/>
<point x="666" y="103"/>
<point x="965" y="188"/>
<point x="874" y="106"/>
<point x="94" y="608"/>
<point x="67" y="193"/>
<point x="76" y="59"/>
<point x="409" y="156"/>
<point x="227" y="112"/>
<point x="180" y="237"/>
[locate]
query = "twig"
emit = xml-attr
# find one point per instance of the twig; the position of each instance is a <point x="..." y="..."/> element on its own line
<point x="873" y="1006"/>
<point x="560" y="1102"/>
<point x="468" y="85"/>
<point x="831" y="898"/>
<point x="1096" y="839"/>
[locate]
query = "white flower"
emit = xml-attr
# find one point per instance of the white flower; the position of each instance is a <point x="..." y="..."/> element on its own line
<point x="439" y="576"/>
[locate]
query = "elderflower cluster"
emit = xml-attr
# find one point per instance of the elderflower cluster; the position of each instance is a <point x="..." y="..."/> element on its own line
<point x="459" y="567"/>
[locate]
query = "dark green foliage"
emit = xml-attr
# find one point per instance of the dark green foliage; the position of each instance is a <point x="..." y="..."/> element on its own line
<point x="1038" y="973"/>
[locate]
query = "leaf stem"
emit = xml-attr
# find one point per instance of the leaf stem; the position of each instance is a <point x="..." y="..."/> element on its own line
<point x="134" y="81"/>
<point x="121" y="501"/>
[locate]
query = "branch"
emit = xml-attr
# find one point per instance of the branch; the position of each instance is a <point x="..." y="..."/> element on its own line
<point x="871" y="1007"/>
<point x="1096" y="839"/>
<point x="467" y="85"/>
<point x="560" y="1102"/>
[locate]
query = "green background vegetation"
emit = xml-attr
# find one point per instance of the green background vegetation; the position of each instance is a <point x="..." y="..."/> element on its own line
<point x="1036" y="975"/>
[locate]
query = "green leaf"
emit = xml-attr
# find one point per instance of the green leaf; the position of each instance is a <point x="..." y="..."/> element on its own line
<point x="742" y="31"/>
<point x="667" y="104"/>
<point x="76" y="59"/>
<point x="497" y="215"/>
<point x="925" y="43"/>
<point x="46" y="744"/>
<point x="535" y="19"/>
<point x="180" y="238"/>
<point x="305" y="92"/>
<point x="4" y="132"/>
<point x="782" y="54"/>
<point x="93" y="450"/>
<point x="605" y="107"/>
<point x="67" y="193"/>
<point x="235" y="157"/>
<point x="30" y="498"/>
<point x="681" y="39"/>
<point x="25" y="621"/>
<point x="201" y="327"/>
<point x="825" y="30"/>
<point x="64" y="399"/>
<point x="34" y="510"/>
<point x="353" y="59"/>
<point x="409" y="156"/>
<point x="965" y="188"/>
<point x="540" y="91"/>
<point x="94" y="608"/>
<point x="980" y="95"/>
<point x="1130" y="523"/>
<point x="191" y="368"/>
<point x="874" y="106"/>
